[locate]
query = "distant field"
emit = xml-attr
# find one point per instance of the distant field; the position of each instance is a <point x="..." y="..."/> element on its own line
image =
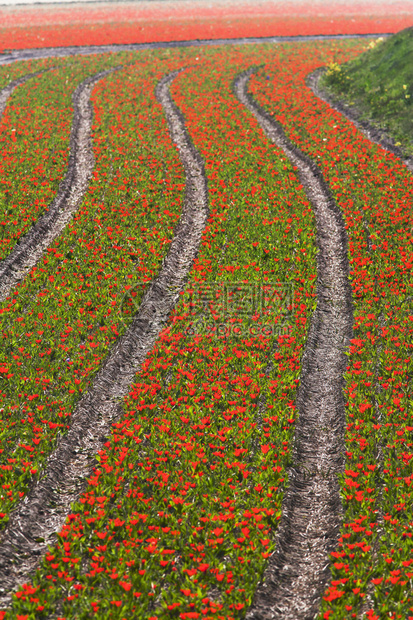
<point x="179" y="20"/>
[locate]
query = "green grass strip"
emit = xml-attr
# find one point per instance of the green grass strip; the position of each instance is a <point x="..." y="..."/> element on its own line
<point x="379" y="83"/>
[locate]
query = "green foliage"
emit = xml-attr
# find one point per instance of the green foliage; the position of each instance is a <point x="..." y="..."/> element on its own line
<point x="380" y="84"/>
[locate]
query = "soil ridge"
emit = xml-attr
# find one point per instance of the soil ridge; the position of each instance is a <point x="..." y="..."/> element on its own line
<point x="299" y="569"/>
<point x="30" y="248"/>
<point x="33" y="525"/>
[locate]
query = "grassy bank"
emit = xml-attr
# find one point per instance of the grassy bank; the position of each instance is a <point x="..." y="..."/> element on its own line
<point x="380" y="84"/>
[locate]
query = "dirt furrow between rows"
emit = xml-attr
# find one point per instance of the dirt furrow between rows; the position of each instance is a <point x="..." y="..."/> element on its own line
<point x="299" y="569"/>
<point x="7" y="91"/>
<point x="30" y="248"/>
<point x="32" y="527"/>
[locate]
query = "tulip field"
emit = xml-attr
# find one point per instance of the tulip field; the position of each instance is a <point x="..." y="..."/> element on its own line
<point x="178" y="509"/>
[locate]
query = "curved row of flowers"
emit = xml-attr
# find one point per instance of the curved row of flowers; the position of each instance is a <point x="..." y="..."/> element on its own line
<point x="372" y="572"/>
<point x="33" y="525"/>
<point x="79" y="291"/>
<point x="34" y="140"/>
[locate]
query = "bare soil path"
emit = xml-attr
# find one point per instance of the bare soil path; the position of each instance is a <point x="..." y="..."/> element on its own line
<point x="33" y="526"/>
<point x="30" y="248"/>
<point x="298" y="571"/>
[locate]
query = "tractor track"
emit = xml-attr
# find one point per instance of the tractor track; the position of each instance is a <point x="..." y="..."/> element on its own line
<point x="30" y="248"/>
<point x="298" y="571"/>
<point x="7" y="91"/>
<point x="40" y="515"/>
